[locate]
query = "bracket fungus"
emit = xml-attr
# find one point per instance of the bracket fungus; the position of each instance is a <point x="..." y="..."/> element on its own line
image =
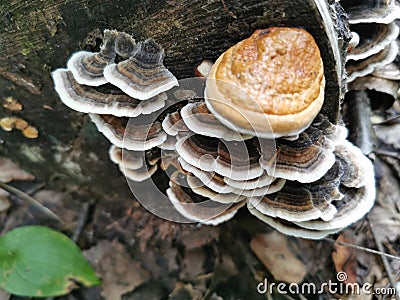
<point x="88" y="67"/>
<point x="258" y="128"/>
<point x="274" y="77"/>
<point x="142" y="75"/>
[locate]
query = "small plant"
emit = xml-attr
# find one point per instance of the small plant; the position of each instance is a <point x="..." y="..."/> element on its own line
<point x="37" y="261"/>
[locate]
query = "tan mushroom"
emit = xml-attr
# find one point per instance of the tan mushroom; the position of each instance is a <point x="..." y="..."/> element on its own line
<point x="269" y="85"/>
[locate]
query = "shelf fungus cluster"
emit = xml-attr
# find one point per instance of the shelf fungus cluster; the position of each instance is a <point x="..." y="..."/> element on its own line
<point x="251" y="130"/>
<point x="373" y="58"/>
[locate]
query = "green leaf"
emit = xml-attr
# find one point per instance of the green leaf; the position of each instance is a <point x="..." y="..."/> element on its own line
<point x="37" y="261"/>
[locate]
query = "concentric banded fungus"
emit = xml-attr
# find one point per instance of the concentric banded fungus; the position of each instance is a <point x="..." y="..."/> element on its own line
<point x="130" y="159"/>
<point x="197" y="208"/>
<point x="88" y="67"/>
<point x="125" y="45"/>
<point x="301" y="202"/>
<point x="269" y="85"/>
<point x="370" y="11"/>
<point x="346" y="193"/>
<point x="135" y="165"/>
<point x="366" y="66"/>
<point x="201" y="189"/>
<point x="136" y="137"/>
<point x="173" y="124"/>
<point x="211" y="179"/>
<point x="373" y="38"/>
<point x="200" y="120"/>
<point x="236" y="160"/>
<point x="273" y="187"/>
<point x="306" y="159"/>
<point x="254" y="183"/>
<point x="276" y="76"/>
<point x="143" y="75"/>
<point x="289" y="228"/>
<point x="140" y="174"/>
<point x="89" y="100"/>
<point x="382" y="87"/>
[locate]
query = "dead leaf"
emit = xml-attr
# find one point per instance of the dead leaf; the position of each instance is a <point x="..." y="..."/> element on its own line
<point x="385" y="216"/>
<point x="12" y="104"/>
<point x="201" y="237"/>
<point x="192" y="264"/>
<point x="4" y="201"/>
<point x="185" y="291"/>
<point x="345" y="258"/>
<point x="4" y="295"/>
<point x="10" y="171"/>
<point x="272" y="249"/>
<point x="389" y="134"/>
<point x="144" y="235"/>
<point x="118" y="271"/>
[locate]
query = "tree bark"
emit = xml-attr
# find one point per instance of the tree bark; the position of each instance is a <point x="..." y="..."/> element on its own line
<point x="38" y="36"/>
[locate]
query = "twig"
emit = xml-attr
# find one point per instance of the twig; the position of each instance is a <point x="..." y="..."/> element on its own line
<point x="384" y="258"/>
<point x="231" y="14"/>
<point x="36" y="204"/>
<point x="361" y="248"/>
<point x="81" y="222"/>
<point x="391" y="121"/>
<point x="388" y="153"/>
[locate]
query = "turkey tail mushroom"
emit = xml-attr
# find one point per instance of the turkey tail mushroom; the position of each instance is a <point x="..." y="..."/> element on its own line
<point x="261" y="126"/>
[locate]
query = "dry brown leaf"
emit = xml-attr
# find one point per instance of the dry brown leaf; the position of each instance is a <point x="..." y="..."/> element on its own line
<point x="201" y="237"/>
<point x="9" y="171"/>
<point x="227" y="266"/>
<point x="192" y="264"/>
<point x="118" y="271"/>
<point x="389" y="134"/>
<point x="144" y="235"/>
<point x="273" y="251"/>
<point x="12" y="104"/>
<point x="385" y="216"/>
<point x="344" y="258"/>
<point x="185" y="291"/>
<point x="4" y="295"/>
<point x="4" y="201"/>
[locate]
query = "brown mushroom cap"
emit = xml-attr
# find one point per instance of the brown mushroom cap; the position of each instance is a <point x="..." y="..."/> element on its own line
<point x="275" y="76"/>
